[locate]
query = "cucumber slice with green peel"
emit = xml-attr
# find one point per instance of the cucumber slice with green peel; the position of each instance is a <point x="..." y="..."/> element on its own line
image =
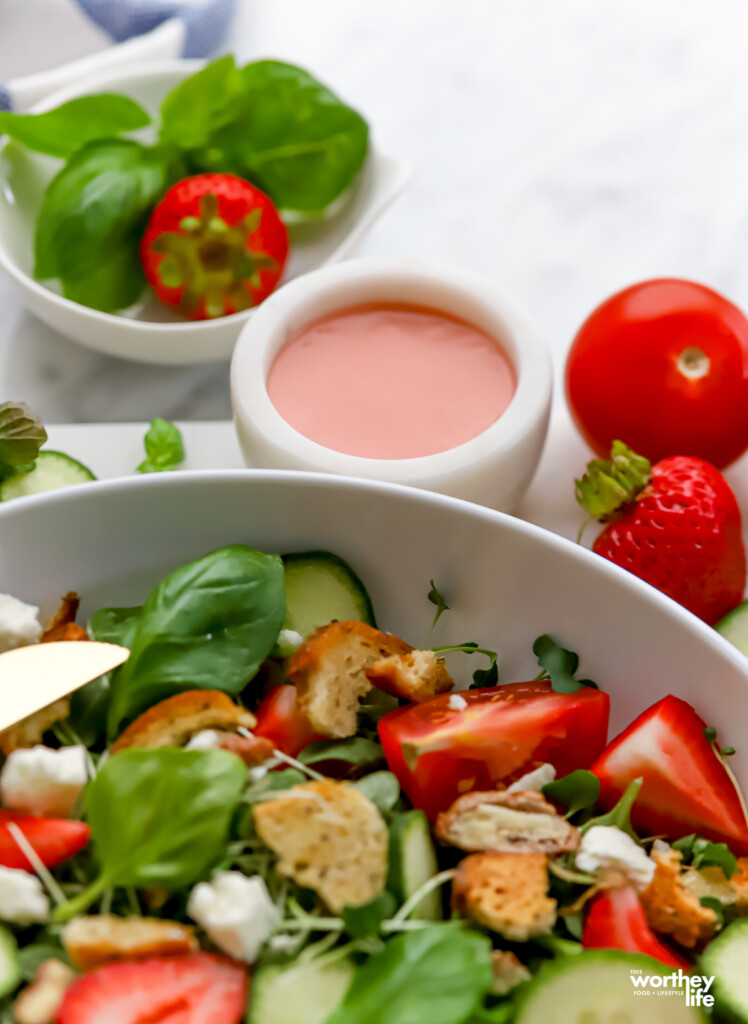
<point x="596" y="987"/>
<point x="321" y="587"/>
<point x="734" y="627"/>
<point x="51" y="471"/>
<point x="300" y="994"/>
<point x="10" y="971"/>
<point x="413" y="862"/>
<point x="726" y="960"/>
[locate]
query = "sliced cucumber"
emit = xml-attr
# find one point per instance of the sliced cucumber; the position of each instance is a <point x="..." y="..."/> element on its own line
<point x="734" y="627"/>
<point x="597" y="986"/>
<point x="299" y="994"/>
<point x="321" y="587"/>
<point x="413" y="862"/>
<point x="51" y="471"/>
<point x="725" y="959"/>
<point x="10" y="971"/>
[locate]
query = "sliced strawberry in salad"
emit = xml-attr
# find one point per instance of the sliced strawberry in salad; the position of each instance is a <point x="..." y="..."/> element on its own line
<point x="199" y="989"/>
<point x="54" y="839"/>
<point x="686" y="785"/>
<point x="616" y="920"/>
<point x="448" y="746"/>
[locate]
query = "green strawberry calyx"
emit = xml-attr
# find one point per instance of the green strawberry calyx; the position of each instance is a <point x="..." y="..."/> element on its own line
<point x="610" y="485"/>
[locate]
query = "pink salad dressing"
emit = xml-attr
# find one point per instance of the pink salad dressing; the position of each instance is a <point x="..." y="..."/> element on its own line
<point x="390" y="381"/>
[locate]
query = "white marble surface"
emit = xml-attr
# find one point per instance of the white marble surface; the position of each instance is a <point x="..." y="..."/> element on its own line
<point x="563" y="148"/>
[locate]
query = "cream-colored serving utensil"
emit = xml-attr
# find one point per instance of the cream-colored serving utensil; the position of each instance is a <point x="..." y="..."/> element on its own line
<point x="35" y="676"/>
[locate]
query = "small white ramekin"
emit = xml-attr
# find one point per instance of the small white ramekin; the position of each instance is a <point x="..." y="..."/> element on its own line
<point x="494" y="468"/>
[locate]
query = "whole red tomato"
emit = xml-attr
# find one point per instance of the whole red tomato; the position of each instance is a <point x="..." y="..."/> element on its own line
<point x="663" y="365"/>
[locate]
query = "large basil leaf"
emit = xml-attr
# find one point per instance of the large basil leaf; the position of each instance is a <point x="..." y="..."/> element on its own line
<point x="437" y="975"/>
<point x="159" y="818"/>
<point x="209" y="625"/>
<point x="201" y="104"/>
<point x="93" y="216"/>
<point x="293" y="138"/>
<point x="64" y="130"/>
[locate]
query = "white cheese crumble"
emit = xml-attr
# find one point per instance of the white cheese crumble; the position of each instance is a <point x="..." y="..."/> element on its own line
<point x="457" y="702"/>
<point x="19" y="623"/>
<point x="605" y="846"/>
<point x="207" y="739"/>
<point x="22" y="898"/>
<point x="236" y="912"/>
<point x="42" y="781"/>
<point x="535" y="779"/>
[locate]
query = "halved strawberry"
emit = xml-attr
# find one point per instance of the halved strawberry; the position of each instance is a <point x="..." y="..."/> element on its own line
<point x="616" y="920"/>
<point x="54" y="839"/>
<point x="199" y="989"/>
<point x="686" y="789"/>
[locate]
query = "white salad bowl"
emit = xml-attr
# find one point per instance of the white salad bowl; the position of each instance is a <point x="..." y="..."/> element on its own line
<point x="505" y="580"/>
<point x="494" y="468"/>
<point x="148" y="332"/>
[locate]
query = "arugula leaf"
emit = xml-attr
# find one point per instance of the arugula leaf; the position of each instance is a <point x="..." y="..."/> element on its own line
<point x="559" y="665"/>
<point x="575" y="791"/>
<point x="200" y="104"/>
<point x="158" y="818"/>
<point x="702" y="854"/>
<point x="358" y="750"/>
<point x="482" y="676"/>
<point x="22" y="434"/>
<point x="382" y="788"/>
<point x="209" y="625"/>
<point x="93" y="216"/>
<point x="437" y="975"/>
<point x="67" y="128"/>
<point x="437" y="598"/>
<point x="620" y="815"/>
<point x="163" y="447"/>
<point x="712" y="903"/>
<point x="366" y="918"/>
<point x="292" y="137"/>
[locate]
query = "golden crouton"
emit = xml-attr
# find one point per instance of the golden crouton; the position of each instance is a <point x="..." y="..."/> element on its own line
<point x="508" y="972"/>
<point x="63" y="626"/>
<point x="329" y="838"/>
<point x="329" y="670"/>
<point x="417" y="675"/>
<point x="671" y="907"/>
<point x="39" y="1002"/>
<point x="506" y="892"/>
<point x="93" y="941"/>
<point x="739" y="885"/>
<point x="523" y="822"/>
<point x="174" y="721"/>
<point x="29" y="731"/>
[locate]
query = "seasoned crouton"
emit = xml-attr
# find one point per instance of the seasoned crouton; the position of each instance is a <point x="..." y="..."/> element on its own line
<point x="329" y="670"/>
<point x="670" y="906"/>
<point x="62" y="625"/>
<point x="329" y="838"/>
<point x="508" y="972"/>
<point x="93" y="941"/>
<point x="739" y="885"/>
<point x="173" y="721"/>
<point x="417" y="675"/>
<point x="503" y="821"/>
<point x="39" y="1002"/>
<point x="506" y="892"/>
<point x="29" y="732"/>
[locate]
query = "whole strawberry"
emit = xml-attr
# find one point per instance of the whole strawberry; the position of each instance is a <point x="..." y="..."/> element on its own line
<point x="676" y="525"/>
<point x="214" y="245"/>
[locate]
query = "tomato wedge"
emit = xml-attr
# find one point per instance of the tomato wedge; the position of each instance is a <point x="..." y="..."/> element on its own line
<point x="54" y="839"/>
<point x="438" y="751"/>
<point x="616" y="920"/>
<point x="686" y="786"/>
<point x="280" y="720"/>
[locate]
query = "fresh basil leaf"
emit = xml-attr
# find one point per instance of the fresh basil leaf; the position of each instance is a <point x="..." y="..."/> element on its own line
<point x="366" y="918"/>
<point x="88" y="710"/>
<point x="21" y="435"/>
<point x="209" y="625"/>
<point x="358" y="750"/>
<point x="437" y="975"/>
<point x="559" y="665"/>
<point x="575" y="792"/>
<point x="701" y="854"/>
<point x="620" y="815"/>
<point x="202" y="103"/>
<point x="163" y="447"/>
<point x="382" y="788"/>
<point x="293" y="138"/>
<point x="112" y="625"/>
<point x="500" y="1014"/>
<point x="159" y="818"/>
<point x="93" y="216"/>
<point x="67" y="128"/>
